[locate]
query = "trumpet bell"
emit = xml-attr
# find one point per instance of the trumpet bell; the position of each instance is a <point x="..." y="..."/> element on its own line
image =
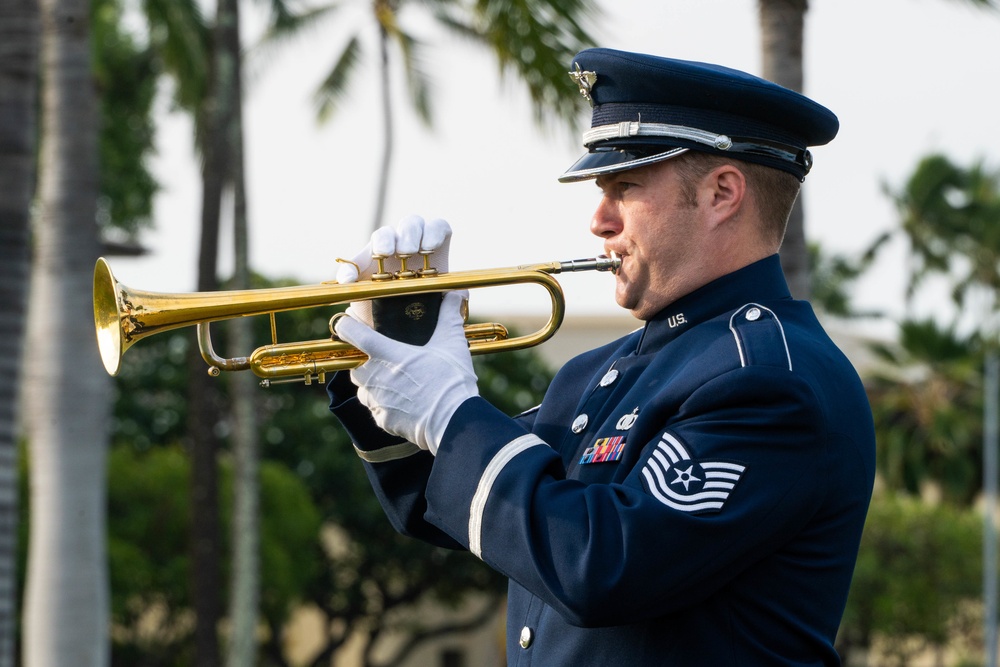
<point x="107" y="321"/>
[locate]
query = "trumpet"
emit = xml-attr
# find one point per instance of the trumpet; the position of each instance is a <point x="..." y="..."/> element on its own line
<point x="123" y="316"/>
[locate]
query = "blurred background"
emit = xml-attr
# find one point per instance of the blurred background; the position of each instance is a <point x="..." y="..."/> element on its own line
<point x="166" y="518"/>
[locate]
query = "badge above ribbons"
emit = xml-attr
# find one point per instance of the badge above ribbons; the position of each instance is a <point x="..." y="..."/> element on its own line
<point x="679" y="482"/>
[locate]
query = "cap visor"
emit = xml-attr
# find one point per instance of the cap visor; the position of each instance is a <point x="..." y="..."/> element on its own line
<point x="607" y="160"/>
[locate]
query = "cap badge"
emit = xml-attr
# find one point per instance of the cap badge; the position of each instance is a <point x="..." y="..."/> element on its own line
<point x="585" y="80"/>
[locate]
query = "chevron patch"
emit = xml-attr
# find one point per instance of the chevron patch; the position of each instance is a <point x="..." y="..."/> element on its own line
<point x="678" y="481"/>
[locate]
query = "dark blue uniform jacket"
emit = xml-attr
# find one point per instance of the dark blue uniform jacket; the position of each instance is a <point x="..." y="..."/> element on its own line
<point x="691" y="494"/>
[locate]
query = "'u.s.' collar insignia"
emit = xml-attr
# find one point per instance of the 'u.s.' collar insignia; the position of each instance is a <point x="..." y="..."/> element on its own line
<point x="585" y="80"/>
<point x="627" y="421"/>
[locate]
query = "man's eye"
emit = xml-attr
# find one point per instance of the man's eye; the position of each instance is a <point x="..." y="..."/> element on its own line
<point x="616" y="189"/>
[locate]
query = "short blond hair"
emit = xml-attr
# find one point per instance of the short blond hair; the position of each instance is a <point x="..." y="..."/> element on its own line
<point x="773" y="191"/>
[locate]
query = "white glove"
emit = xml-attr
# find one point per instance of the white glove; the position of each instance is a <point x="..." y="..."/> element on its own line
<point x="411" y="236"/>
<point x="413" y="391"/>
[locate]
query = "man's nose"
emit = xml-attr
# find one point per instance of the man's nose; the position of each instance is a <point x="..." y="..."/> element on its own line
<point x="606" y="221"/>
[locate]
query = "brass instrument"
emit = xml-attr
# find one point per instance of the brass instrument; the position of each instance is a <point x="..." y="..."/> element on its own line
<point x="123" y="315"/>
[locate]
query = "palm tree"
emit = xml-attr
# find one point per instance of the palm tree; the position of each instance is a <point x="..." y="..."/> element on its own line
<point x="244" y="595"/>
<point x="66" y="392"/>
<point x="533" y="39"/>
<point x="184" y="42"/>
<point x="18" y="98"/>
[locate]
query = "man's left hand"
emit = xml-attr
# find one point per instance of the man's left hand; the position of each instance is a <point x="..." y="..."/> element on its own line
<point x="413" y="391"/>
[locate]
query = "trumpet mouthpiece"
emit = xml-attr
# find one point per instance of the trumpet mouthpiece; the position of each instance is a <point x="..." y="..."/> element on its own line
<point x="602" y="263"/>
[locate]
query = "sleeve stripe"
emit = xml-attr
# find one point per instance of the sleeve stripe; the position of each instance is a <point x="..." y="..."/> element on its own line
<point x="493" y="470"/>
<point x="386" y="454"/>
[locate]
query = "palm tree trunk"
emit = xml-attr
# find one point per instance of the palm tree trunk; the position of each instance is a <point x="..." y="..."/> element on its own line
<point x="204" y="401"/>
<point x="66" y="392"/>
<point x="782" y="26"/>
<point x="245" y="583"/>
<point x="383" y="174"/>
<point x="18" y="99"/>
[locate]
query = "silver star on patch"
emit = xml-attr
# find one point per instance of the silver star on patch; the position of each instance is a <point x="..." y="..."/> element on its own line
<point x="585" y="80"/>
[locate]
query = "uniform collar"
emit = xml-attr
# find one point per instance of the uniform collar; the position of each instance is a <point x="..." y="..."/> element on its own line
<point x="761" y="281"/>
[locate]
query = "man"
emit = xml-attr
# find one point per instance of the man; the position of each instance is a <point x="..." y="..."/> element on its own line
<point x="693" y="493"/>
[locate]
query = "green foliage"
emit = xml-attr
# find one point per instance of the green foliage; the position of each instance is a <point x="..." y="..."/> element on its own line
<point x="512" y="381"/>
<point x="533" y="39"/>
<point x="150" y="406"/>
<point x="125" y="74"/>
<point x="832" y="277"/>
<point x="928" y="408"/>
<point x="149" y="517"/>
<point x="949" y="215"/>
<point x="180" y="38"/>
<point x="290" y="552"/>
<point x="928" y="411"/>
<point x="918" y="568"/>
<point x="919" y="571"/>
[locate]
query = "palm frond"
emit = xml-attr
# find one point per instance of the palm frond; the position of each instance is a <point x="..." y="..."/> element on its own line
<point x="535" y="41"/>
<point x="982" y="4"/>
<point x="181" y="36"/>
<point x="284" y="24"/>
<point x="331" y="91"/>
<point x="418" y="82"/>
<point x="948" y="215"/>
<point x="283" y="27"/>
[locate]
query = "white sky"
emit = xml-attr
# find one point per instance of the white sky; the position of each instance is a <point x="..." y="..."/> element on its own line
<point x="906" y="78"/>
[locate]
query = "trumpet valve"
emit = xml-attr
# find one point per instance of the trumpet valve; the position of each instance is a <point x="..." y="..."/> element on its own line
<point x="427" y="269"/>
<point x="380" y="272"/>
<point x="404" y="272"/>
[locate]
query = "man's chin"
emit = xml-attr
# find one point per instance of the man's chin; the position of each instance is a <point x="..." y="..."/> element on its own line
<point x="628" y="302"/>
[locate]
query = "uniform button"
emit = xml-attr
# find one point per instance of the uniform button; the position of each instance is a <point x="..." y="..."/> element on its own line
<point x="580" y="423"/>
<point x="526" y="637"/>
<point x="609" y="378"/>
<point x="753" y="314"/>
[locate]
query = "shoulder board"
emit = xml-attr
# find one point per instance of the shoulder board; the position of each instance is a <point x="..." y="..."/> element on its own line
<point x="760" y="338"/>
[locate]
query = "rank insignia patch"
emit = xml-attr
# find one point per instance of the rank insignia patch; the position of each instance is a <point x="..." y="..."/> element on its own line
<point x="677" y="481"/>
<point x="605" y="450"/>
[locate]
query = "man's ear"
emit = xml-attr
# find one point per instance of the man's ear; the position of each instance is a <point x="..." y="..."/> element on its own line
<point x="728" y="190"/>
